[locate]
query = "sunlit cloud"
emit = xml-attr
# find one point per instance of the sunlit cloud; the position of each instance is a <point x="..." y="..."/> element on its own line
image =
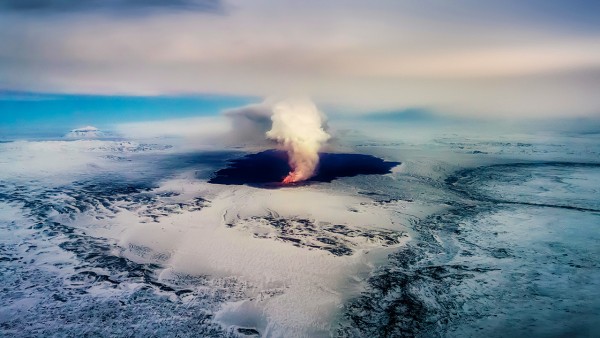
<point x="536" y="59"/>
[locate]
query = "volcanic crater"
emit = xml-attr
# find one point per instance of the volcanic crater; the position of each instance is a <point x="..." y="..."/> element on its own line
<point x="269" y="167"/>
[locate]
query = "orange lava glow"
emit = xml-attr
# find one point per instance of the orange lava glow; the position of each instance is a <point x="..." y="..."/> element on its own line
<point x="290" y="178"/>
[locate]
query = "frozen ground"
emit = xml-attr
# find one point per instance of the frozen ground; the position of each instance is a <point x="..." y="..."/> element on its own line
<point x="487" y="236"/>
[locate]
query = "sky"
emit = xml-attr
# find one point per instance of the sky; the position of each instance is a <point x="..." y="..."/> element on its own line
<point x="463" y="58"/>
<point x="102" y="110"/>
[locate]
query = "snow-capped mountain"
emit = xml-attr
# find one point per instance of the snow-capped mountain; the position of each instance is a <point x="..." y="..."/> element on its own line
<point x="86" y="132"/>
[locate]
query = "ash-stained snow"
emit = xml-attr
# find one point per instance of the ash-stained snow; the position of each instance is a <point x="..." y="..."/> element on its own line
<point x="467" y="237"/>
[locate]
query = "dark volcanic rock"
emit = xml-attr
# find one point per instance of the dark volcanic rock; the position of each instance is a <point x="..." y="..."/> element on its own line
<point x="271" y="166"/>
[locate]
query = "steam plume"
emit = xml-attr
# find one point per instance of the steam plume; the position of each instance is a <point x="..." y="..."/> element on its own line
<point x="298" y="127"/>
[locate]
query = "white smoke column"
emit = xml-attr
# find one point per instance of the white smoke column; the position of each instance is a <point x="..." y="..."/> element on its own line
<point x="298" y="127"/>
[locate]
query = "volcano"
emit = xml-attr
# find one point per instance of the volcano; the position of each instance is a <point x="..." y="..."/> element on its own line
<point x="271" y="166"/>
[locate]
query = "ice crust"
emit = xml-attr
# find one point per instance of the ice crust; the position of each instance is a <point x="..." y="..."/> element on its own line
<point x="99" y="234"/>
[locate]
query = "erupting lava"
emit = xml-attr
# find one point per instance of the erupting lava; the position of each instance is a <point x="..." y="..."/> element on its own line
<point x="289" y="178"/>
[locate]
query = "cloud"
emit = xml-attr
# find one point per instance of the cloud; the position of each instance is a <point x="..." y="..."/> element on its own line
<point x="61" y="6"/>
<point x="196" y="128"/>
<point x="249" y="124"/>
<point x="533" y="59"/>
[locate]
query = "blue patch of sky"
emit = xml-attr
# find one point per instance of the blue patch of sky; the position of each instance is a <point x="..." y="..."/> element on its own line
<point x="56" y="114"/>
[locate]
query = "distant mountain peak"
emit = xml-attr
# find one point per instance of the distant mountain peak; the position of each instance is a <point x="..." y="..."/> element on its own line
<point x="85" y="132"/>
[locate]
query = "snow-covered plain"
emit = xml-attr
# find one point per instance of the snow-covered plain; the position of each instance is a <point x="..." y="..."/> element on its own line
<point x="468" y="236"/>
